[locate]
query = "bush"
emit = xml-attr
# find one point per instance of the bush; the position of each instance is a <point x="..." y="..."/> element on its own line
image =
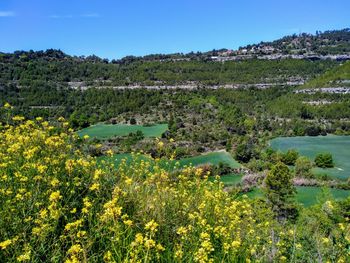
<point x="290" y="157"/>
<point x="324" y="160"/>
<point x="303" y="167"/>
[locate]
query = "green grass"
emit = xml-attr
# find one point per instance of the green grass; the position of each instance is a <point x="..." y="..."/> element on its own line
<point x="338" y="146"/>
<point x="229" y="179"/>
<point x="117" y="158"/>
<point x="213" y="158"/>
<point x="105" y="131"/>
<point x="307" y="195"/>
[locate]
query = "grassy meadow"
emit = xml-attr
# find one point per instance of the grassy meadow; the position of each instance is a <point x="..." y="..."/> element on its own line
<point x="105" y="131"/>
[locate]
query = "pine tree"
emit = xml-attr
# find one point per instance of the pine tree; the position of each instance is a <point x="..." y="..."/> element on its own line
<point x="280" y="192"/>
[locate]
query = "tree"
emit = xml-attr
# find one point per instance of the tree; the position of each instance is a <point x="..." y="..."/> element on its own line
<point x="132" y="121"/>
<point x="244" y="152"/>
<point x="280" y="191"/>
<point x="303" y="167"/>
<point x="290" y="157"/>
<point x="324" y="160"/>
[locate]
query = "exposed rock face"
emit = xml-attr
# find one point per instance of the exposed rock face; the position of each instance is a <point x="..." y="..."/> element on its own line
<point x="334" y="90"/>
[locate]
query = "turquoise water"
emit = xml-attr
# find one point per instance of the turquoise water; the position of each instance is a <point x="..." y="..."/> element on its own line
<point x="307" y="195"/>
<point x="338" y="146"/>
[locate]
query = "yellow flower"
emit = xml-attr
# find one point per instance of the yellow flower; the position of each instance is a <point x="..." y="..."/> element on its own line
<point x="283" y="258"/>
<point x="94" y="186"/>
<point x="75" y="249"/>
<point x="179" y="253"/>
<point x="325" y="240"/>
<point x="159" y="247"/>
<point x="87" y="205"/>
<point x="81" y="234"/>
<point x="24" y="257"/>
<point x="235" y="244"/>
<point x="5" y="244"/>
<point x="149" y="243"/>
<point x="107" y="257"/>
<point x="54" y="182"/>
<point x="109" y="152"/>
<point x="182" y="231"/>
<point x="55" y="196"/>
<point x="18" y="118"/>
<point x="139" y="238"/>
<point x="128" y="222"/>
<point x="7" y="105"/>
<point x="128" y="181"/>
<point x="152" y="226"/>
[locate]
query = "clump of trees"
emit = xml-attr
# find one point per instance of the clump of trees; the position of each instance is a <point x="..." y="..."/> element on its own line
<point x="324" y="160"/>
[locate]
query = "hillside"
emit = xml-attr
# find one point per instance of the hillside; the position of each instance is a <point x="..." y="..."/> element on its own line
<point x="321" y="43"/>
<point x="336" y="77"/>
<point x="54" y="68"/>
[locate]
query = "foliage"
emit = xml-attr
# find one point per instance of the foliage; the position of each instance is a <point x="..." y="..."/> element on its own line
<point x="324" y="160"/>
<point x="58" y="204"/>
<point x="334" y="77"/>
<point x="280" y="191"/>
<point x="303" y="167"/>
<point x="290" y="157"/>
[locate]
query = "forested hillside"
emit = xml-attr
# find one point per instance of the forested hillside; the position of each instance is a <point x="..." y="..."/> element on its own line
<point x="336" y="77"/>
<point x="321" y="43"/>
<point x="54" y="68"/>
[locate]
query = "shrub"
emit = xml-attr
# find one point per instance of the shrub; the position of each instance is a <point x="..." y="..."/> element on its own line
<point x="324" y="160"/>
<point x="303" y="167"/>
<point x="290" y="157"/>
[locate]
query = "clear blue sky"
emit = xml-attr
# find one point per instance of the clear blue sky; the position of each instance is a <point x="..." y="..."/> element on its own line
<point x="115" y="28"/>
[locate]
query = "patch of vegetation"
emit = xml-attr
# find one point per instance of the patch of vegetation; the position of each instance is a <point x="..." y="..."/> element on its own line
<point x="324" y="160"/>
<point x="338" y="76"/>
<point x="78" y="210"/>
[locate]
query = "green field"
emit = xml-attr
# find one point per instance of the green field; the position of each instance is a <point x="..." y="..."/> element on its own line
<point x="104" y="131"/>
<point x="229" y="179"/>
<point x="338" y="146"/>
<point x="308" y="195"/>
<point x="213" y="158"/>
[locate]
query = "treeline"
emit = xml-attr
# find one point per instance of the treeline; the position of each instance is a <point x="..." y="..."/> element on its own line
<point x="35" y="69"/>
<point x="323" y="43"/>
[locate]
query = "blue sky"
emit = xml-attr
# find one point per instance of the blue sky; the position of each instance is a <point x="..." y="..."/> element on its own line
<point x="114" y="28"/>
